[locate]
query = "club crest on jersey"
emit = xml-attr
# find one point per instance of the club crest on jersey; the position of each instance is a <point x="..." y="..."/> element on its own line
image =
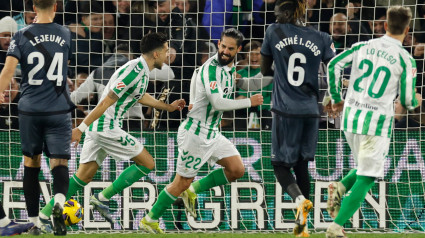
<point x="120" y="85"/>
<point x="213" y="85"/>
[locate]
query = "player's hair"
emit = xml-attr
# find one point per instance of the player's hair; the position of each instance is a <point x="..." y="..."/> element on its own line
<point x="295" y="9"/>
<point x="44" y="4"/>
<point x="398" y="19"/>
<point x="253" y="45"/>
<point x="233" y="33"/>
<point x="152" y="41"/>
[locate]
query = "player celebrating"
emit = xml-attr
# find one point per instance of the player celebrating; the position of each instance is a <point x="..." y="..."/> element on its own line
<point x="126" y="87"/>
<point x="297" y="52"/>
<point x="380" y="68"/>
<point x="43" y="50"/>
<point x="199" y="139"/>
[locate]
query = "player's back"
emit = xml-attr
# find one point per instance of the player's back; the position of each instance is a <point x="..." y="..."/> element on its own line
<point x="297" y="52"/>
<point x="43" y="51"/>
<point x="379" y="67"/>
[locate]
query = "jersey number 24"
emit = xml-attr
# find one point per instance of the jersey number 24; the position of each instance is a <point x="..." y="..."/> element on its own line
<point x="57" y="64"/>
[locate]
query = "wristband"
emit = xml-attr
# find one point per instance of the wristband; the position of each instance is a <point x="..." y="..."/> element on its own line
<point x="82" y="127"/>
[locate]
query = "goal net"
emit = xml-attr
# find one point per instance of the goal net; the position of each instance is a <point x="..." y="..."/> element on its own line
<point x="105" y="29"/>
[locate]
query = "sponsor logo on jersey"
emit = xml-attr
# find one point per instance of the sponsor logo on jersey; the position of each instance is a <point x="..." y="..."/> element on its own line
<point x="333" y="47"/>
<point x="12" y="46"/>
<point x="213" y="85"/>
<point x="138" y="96"/>
<point x="120" y="85"/>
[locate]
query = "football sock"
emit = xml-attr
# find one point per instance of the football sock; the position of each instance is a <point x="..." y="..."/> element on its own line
<point x="287" y="181"/>
<point x="354" y="198"/>
<point x="302" y="177"/>
<point x="215" y="178"/>
<point x="349" y="179"/>
<point x="129" y="176"/>
<point x="32" y="190"/>
<point x="35" y="221"/>
<point x="2" y="213"/>
<point x="299" y="200"/>
<point x="60" y="183"/>
<point x="165" y="199"/>
<point x="75" y="184"/>
<point x="4" y="221"/>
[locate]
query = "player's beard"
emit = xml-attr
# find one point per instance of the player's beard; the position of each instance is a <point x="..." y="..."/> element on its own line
<point x="222" y="61"/>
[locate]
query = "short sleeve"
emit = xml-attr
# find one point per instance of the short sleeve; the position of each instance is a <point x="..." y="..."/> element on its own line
<point x="329" y="51"/>
<point x="14" y="49"/>
<point x="266" y="48"/>
<point x="127" y="79"/>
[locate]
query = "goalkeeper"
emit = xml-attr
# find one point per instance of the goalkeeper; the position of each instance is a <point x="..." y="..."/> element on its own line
<point x="105" y="137"/>
<point x="381" y="69"/>
<point x="199" y="140"/>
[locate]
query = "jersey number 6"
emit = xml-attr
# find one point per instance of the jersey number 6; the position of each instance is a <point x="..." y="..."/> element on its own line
<point x="292" y="69"/>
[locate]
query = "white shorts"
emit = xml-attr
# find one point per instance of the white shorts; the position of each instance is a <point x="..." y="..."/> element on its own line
<point x="116" y="143"/>
<point x="196" y="150"/>
<point x="369" y="153"/>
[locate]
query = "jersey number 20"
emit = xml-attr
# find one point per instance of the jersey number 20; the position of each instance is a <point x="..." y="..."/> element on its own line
<point x="57" y="64"/>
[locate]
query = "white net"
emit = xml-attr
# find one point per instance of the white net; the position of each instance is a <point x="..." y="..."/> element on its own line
<point x="107" y="33"/>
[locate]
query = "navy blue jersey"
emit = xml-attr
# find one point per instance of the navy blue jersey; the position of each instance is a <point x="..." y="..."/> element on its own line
<point x="297" y="53"/>
<point x="43" y="50"/>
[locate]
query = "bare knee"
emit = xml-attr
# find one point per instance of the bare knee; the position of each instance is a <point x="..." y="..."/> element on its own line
<point x="145" y="159"/>
<point x="179" y="185"/>
<point x="235" y="172"/>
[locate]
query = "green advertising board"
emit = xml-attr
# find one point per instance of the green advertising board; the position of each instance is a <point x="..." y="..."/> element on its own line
<point x="254" y="202"/>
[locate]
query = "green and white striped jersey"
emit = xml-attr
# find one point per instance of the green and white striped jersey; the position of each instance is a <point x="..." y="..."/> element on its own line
<point x="211" y="93"/>
<point x="129" y="83"/>
<point x="381" y="69"/>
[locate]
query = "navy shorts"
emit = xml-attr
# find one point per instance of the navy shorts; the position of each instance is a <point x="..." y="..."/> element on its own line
<point x="293" y="139"/>
<point x="51" y="134"/>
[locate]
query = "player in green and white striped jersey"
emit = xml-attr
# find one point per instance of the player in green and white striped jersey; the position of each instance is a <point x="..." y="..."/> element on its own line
<point x="381" y="69"/>
<point x="104" y="136"/>
<point x="199" y="139"/>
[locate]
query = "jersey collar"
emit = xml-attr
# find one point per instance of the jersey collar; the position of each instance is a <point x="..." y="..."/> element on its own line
<point x="390" y="39"/>
<point x="145" y="65"/>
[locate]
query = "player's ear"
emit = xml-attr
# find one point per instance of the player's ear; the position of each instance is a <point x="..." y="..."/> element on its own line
<point x="386" y="26"/>
<point x="55" y="7"/>
<point x="406" y="30"/>
<point x="239" y="48"/>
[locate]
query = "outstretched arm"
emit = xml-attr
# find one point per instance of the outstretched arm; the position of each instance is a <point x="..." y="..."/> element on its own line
<point x="150" y="101"/>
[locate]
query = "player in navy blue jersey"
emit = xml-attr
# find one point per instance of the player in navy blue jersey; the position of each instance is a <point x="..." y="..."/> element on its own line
<point x="297" y="52"/>
<point x="43" y="50"/>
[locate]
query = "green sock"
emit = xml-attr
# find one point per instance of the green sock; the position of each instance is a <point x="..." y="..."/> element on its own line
<point x="129" y="176"/>
<point x="354" y="198"/>
<point x="215" y="178"/>
<point x="349" y="179"/>
<point x="165" y="199"/>
<point x="75" y="184"/>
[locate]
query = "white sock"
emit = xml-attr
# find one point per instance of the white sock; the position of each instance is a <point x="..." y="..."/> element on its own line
<point x="4" y="222"/>
<point x="59" y="198"/>
<point x="149" y="219"/>
<point x="299" y="200"/>
<point x="102" y="198"/>
<point x="191" y="188"/>
<point x="35" y="221"/>
<point x="43" y="216"/>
